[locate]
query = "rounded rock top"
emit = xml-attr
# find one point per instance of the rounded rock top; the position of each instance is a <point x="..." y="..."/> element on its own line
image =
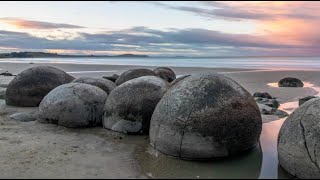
<point x="165" y="73"/>
<point x="205" y="116"/>
<point x="298" y="141"/>
<point x="102" y="83"/>
<point x="129" y="106"/>
<point x="31" y="85"/>
<point x="73" y="105"/>
<point x="132" y="74"/>
<point x="290" y="82"/>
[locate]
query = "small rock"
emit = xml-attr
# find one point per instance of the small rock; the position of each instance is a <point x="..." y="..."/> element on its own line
<point x="6" y="74"/>
<point x="2" y="92"/>
<point x="23" y="117"/>
<point x="262" y="95"/>
<point x="290" y="82"/>
<point x="112" y="78"/>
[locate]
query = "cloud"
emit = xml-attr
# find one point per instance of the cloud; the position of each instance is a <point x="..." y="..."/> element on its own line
<point x="23" y="23"/>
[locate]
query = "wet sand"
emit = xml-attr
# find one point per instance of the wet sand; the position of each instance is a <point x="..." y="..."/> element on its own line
<point x="35" y="150"/>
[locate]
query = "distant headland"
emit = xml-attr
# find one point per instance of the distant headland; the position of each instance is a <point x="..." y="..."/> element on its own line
<point x="48" y="55"/>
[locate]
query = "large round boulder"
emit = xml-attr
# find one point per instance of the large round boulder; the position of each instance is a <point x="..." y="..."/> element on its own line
<point x="73" y="105"/>
<point x="130" y="106"/>
<point x="30" y="86"/>
<point x="205" y="116"/>
<point x="133" y="73"/>
<point x="299" y="141"/>
<point x="290" y="82"/>
<point x="165" y="73"/>
<point x="102" y="83"/>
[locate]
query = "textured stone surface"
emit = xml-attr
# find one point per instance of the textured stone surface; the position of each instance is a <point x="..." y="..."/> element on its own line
<point x="178" y="79"/>
<point x="130" y="106"/>
<point x="290" y="82"/>
<point x="104" y="84"/>
<point x="299" y="141"/>
<point x="262" y="95"/>
<point x="31" y="85"/>
<point x="165" y="73"/>
<point x="73" y="105"/>
<point x="133" y="73"/>
<point x="305" y="99"/>
<point x="112" y="78"/>
<point x="205" y="116"/>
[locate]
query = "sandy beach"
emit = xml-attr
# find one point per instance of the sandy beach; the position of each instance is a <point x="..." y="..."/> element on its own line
<point x="35" y="150"/>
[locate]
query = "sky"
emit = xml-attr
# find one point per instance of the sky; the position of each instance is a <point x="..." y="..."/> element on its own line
<point x="162" y="28"/>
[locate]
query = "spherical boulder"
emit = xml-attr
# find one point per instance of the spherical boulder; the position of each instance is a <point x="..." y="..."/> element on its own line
<point x="165" y="73"/>
<point x="112" y="78"/>
<point x="290" y="82"/>
<point x="205" y="116"/>
<point x="30" y="86"/>
<point x="133" y="73"/>
<point x="102" y="83"/>
<point x="73" y="105"/>
<point x="299" y="141"/>
<point x="130" y="106"/>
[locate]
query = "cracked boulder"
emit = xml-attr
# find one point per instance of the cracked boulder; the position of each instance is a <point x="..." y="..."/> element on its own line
<point x="205" y="116"/>
<point x="31" y="85"/>
<point x="102" y="83"/>
<point x="132" y="74"/>
<point x="130" y="106"/>
<point x="73" y="105"/>
<point x="299" y="141"/>
<point x="165" y="73"/>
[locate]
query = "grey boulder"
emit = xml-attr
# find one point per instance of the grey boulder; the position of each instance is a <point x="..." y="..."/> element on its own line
<point x="290" y="82"/>
<point x="298" y="141"/>
<point x="165" y="73"/>
<point x="178" y="79"/>
<point x="133" y="73"/>
<point x="104" y="84"/>
<point x="30" y="86"/>
<point x="23" y="116"/>
<point x="205" y="116"/>
<point x="130" y="106"/>
<point x="262" y="95"/>
<point x="73" y="105"/>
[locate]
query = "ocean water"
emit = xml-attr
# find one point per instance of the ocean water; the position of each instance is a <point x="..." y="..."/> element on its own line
<point x="237" y="62"/>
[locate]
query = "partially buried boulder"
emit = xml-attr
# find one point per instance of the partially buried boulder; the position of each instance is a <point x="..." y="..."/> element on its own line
<point x="73" y="105"/>
<point x="205" y="116"/>
<point x="130" y="106"/>
<point x="290" y="82"/>
<point x="112" y="78"/>
<point x="305" y="99"/>
<point x="104" y="84"/>
<point x="30" y="86"/>
<point x="133" y="73"/>
<point x="165" y="73"/>
<point x="298" y="141"/>
<point x="23" y="116"/>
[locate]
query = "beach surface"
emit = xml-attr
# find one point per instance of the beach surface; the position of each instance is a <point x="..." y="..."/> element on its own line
<point x="35" y="150"/>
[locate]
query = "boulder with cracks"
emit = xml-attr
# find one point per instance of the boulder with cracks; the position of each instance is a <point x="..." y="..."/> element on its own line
<point x="299" y="141"/>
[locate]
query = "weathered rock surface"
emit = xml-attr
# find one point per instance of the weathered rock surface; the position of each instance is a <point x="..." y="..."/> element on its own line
<point x="73" y="105"/>
<point x="298" y="141"/>
<point x="133" y="73"/>
<point x="104" y="84"/>
<point x="165" y="73"/>
<point x="30" y="86"/>
<point x="305" y="99"/>
<point x="267" y="110"/>
<point x="178" y="79"/>
<point x="290" y="82"/>
<point x="112" y="78"/>
<point x="205" y="116"/>
<point x="23" y="116"/>
<point x="269" y="102"/>
<point x="130" y="106"/>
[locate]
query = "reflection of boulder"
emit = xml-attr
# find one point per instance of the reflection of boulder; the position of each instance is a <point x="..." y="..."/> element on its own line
<point x="290" y="82"/>
<point x="298" y="141"/>
<point x="157" y="165"/>
<point x="305" y="99"/>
